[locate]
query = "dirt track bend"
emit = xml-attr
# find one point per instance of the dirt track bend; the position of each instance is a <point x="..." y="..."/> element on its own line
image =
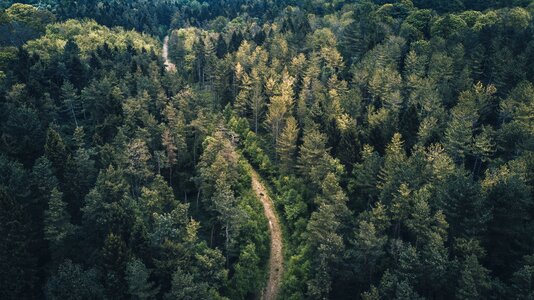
<point x="276" y="259"/>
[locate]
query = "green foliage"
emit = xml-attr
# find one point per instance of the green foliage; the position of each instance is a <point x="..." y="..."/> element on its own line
<point x="252" y="146"/>
<point x="474" y="281"/>
<point x="88" y="35"/>
<point x="108" y="206"/>
<point x="17" y="260"/>
<point x="363" y="183"/>
<point x="57" y="224"/>
<point x="324" y="237"/>
<point x="71" y="281"/>
<point x="396" y="136"/>
<point x="23" y="22"/>
<point x="247" y="277"/>
<point x="55" y="151"/>
<point x="137" y="276"/>
<point x="511" y="201"/>
<point x="185" y="287"/>
<point x="314" y="160"/>
<point x="368" y="249"/>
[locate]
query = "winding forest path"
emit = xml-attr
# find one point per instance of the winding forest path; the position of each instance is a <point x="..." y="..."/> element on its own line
<point x="276" y="259"/>
<point x="169" y="66"/>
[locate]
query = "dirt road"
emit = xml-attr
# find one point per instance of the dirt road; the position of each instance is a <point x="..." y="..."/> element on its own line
<point x="169" y="66"/>
<point x="276" y="260"/>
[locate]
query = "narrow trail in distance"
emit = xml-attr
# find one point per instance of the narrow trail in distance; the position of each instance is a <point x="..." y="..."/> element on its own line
<point x="169" y="66"/>
<point x="276" y="259"/>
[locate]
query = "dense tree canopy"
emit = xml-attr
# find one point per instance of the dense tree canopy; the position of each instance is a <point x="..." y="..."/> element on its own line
<point x="396" y="139"/>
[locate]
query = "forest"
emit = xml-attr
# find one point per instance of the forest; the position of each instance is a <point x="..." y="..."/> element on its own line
<point x="279" y="149"/>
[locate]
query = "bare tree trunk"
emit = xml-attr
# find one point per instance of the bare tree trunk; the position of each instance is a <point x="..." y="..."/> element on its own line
<point x="227" y="242"/>
<point x="170" y="175"/>
<point x="211" y="235"/>
<point x="198" y="197"/>
<point x="73" y="115"/>
<point x="255" y="121"/>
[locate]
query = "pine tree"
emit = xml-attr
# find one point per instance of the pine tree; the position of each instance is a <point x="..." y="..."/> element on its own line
<point x="80" y="175"/>
<point x="392" y="173"/>
<point x="362" y="185"/>
<point x="218" y="162"/>
<point x="138" y="167"/>
<point x="71" y="101"/>
<point x="280" y="107"/>
<point x="242" y="98"/>
<point x="70" y="281"/>
<point x="466" y="211"/>
<point x="326" y="247"/>
<point x="177" y="43"/>
<point x="177" y="131"/>
<point x="108" y="206"/>
<point x="220" y="48"/>
<point x="210" y="59"/>
<point x="185" y="286"/>
<point x="361" y="34"/>
<point x="247" y="276"/>
<point x="287" y="145"/>
<point x="137" y="277"/>
<point x="57" y="225"/>
<point x="170" y="149"/>
<point x="200" y="60"/>
<point x="522" y="280"/>
<point x="44" y="179"/>
<point x="114" y="255"/>
<point x="230" y="215"/>
<point x="517" y="112"/>
<point x="56" y="151"/>
<point x="76" y="69"/>
<point x="222" y="84"/>
<point x="367" y="248"/>
<point x="506" y="192"/>
<point x="314" y="161"/>
<point x="235" y="41"/>
<point x="325" y="236"/>
<point x="474" y="281"/>
<point x="19" y="265"/>
<point x="257" y="100"/>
